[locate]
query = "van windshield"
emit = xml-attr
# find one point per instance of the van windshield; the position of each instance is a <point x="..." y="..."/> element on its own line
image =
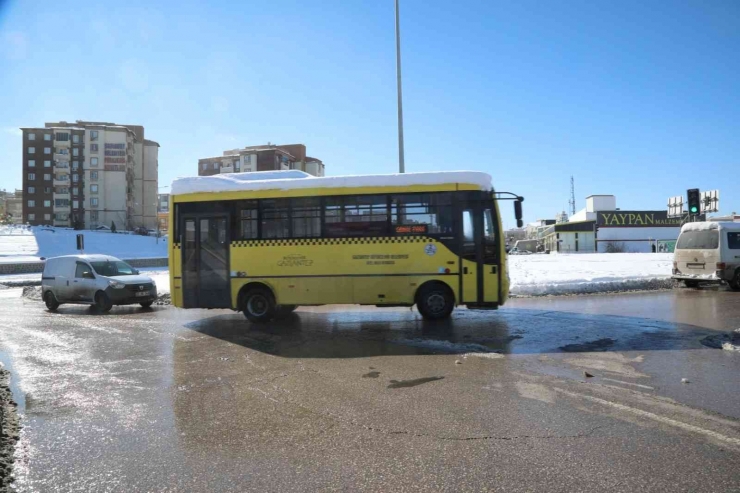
<point x="112" y="268"/>
<point x="698" y="240"/>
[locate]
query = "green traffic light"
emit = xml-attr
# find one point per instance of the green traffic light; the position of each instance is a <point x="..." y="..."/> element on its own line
<point x="694" y="210"/>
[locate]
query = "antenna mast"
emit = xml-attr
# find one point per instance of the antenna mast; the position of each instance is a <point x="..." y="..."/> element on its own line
<point x="572" y="201"/>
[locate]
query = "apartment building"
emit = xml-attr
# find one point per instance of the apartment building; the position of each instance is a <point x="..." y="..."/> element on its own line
<point x="268" y="157"/>
<point x="89" y="174"/>
<point x="11" y="207"/>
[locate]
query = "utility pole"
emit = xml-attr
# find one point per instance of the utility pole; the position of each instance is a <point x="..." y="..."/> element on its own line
<point x="401" y="164"/>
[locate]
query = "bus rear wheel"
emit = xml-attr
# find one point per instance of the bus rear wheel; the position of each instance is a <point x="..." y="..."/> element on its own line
<point x="435" y="301"/>
<point x="259" y="305"/>
<point x="735" y="282"/>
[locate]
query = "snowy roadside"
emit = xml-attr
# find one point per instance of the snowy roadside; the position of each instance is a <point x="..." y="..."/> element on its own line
<point x="587" y="273"/>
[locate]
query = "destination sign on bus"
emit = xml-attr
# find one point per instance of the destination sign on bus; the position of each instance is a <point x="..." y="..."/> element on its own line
<point x="411" y="229"/>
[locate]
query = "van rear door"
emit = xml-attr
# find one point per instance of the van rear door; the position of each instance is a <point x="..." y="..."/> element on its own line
<point x="697" y="252"/>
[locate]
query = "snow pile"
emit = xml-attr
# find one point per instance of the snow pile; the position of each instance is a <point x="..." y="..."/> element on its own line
<point x="291" y="180"/>
<point x="28" y="244"/>
<point x="559" y="274"/>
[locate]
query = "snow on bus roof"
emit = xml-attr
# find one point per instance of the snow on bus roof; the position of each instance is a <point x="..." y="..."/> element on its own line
<point x="294" y="179"/>
<point x="709" y="225"/>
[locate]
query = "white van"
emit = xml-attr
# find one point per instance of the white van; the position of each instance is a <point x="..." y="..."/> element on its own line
<point x="99" y="280"/>
<point x="708" y="252"/>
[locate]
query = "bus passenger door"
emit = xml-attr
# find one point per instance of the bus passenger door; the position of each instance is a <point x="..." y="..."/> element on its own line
<point x="480" y="269"/>
<point x="205" y="262"/>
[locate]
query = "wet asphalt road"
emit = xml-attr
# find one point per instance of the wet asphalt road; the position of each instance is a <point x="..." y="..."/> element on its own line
<point x="349" y="398"/>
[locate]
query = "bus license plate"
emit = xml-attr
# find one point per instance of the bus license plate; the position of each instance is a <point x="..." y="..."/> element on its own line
<point x="142" y="293"/>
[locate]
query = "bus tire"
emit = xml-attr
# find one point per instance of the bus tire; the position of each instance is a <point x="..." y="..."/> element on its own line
<point x="435" y="301"/>
<point x="259" y="305"/>
<point x="735" y="282"/>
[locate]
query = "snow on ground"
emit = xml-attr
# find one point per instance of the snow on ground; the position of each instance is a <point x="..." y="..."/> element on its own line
<point x="558" y="274"/>
<point x="27" y="244"/>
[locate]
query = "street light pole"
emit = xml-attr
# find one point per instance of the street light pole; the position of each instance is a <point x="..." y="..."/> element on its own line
<point x="401" y="164"/>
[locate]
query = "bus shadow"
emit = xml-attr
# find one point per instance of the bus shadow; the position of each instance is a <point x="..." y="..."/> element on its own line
<point x="510" y="331"/>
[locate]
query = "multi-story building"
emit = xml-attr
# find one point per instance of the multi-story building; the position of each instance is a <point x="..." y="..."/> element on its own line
<point x="268" y="157"/>
<point x="11" y="207"/>
<point x="87" y="174"/>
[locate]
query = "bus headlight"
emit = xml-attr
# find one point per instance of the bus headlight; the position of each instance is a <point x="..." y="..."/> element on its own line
<point x="116" y="285"/>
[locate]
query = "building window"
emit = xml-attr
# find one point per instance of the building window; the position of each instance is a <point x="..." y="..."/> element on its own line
<point x="75" y="178"/>
<point x="47" y="137"/>
<point x="31" y="189"/>
<point x="204" y="166"/>
<point x="93" y="189"/>
<point x="94" y="148"/>
<point x="47" y="176"/>
<point x="32" y="217"/>
<point x="47" y="150"/>
<point x="47" y="217"/>
<point x="31" y="176"/>
<point x="47" y="189"/>
<point x="31" y="203"/>
<point x="93" y="176"/>
<point x="75" y="151"/>
<point x="76" y="139"/>
<point x="75" y="204"/>
<point x="94" y="136"/>
<point x="31" y="163"/>
<point x="94" y="202"/>
<point x="61" y="202"/>
<point x="31" y="136"/>
<point x="47" y="163"/>
<point x="62" y="137"/>
<point x="94" y="161"/>
<point x="32" y="150"/>
<point x="47" y="203"/>
<point x="75" y="164"/>
<point x="75" y="191"/>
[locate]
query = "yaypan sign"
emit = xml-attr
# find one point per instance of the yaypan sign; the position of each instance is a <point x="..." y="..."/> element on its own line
<point x="636" y="219"/>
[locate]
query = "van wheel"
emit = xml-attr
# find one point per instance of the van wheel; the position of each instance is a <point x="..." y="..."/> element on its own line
<point x="51" y="301"/>
<point x="102" y="302"/>
<point x="259" y="305"/>
<point x="435" y="301"/>
<point x="735" y="282"/>
<point x="691" y="284"/>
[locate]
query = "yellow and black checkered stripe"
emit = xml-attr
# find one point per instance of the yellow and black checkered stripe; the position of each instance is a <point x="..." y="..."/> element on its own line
<point x="176" y="246"/>
<point x="331" y="241"/>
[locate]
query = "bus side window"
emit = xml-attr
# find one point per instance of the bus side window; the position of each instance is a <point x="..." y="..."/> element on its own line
<point x="248" y="224"/>
<point x="433" y="211"/>
<point x="305" y="214"/>
<point x="489" y="236"/>
<point x="275" y="218"/>
<point x="352" y="216"/>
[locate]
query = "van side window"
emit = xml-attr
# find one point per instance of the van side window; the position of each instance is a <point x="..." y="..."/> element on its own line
<point x="733" y="241"/>
<point x="81" y="269"/>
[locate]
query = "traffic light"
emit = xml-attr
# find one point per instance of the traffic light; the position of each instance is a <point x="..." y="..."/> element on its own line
<point x="694" y="201"/>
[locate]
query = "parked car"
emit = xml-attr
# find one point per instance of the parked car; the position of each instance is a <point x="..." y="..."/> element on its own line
<point x="708" y="252"/>
<point x="99" y="280"/>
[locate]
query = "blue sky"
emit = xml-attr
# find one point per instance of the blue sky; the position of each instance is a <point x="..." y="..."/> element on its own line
<point x="639" y="99"/>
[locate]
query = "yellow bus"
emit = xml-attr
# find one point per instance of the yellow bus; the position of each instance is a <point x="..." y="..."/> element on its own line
<point x="263" y="243"/>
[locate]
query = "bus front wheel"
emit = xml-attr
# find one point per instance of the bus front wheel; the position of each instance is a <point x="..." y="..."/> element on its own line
<point x="259" y="305"/>
<point x="435" y="301"/>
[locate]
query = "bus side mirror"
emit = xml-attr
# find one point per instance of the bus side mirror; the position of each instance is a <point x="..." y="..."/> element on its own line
<point x="518" y="212"/>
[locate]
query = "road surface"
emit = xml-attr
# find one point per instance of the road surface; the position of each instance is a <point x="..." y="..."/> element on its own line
<point x="362" y="399"/>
